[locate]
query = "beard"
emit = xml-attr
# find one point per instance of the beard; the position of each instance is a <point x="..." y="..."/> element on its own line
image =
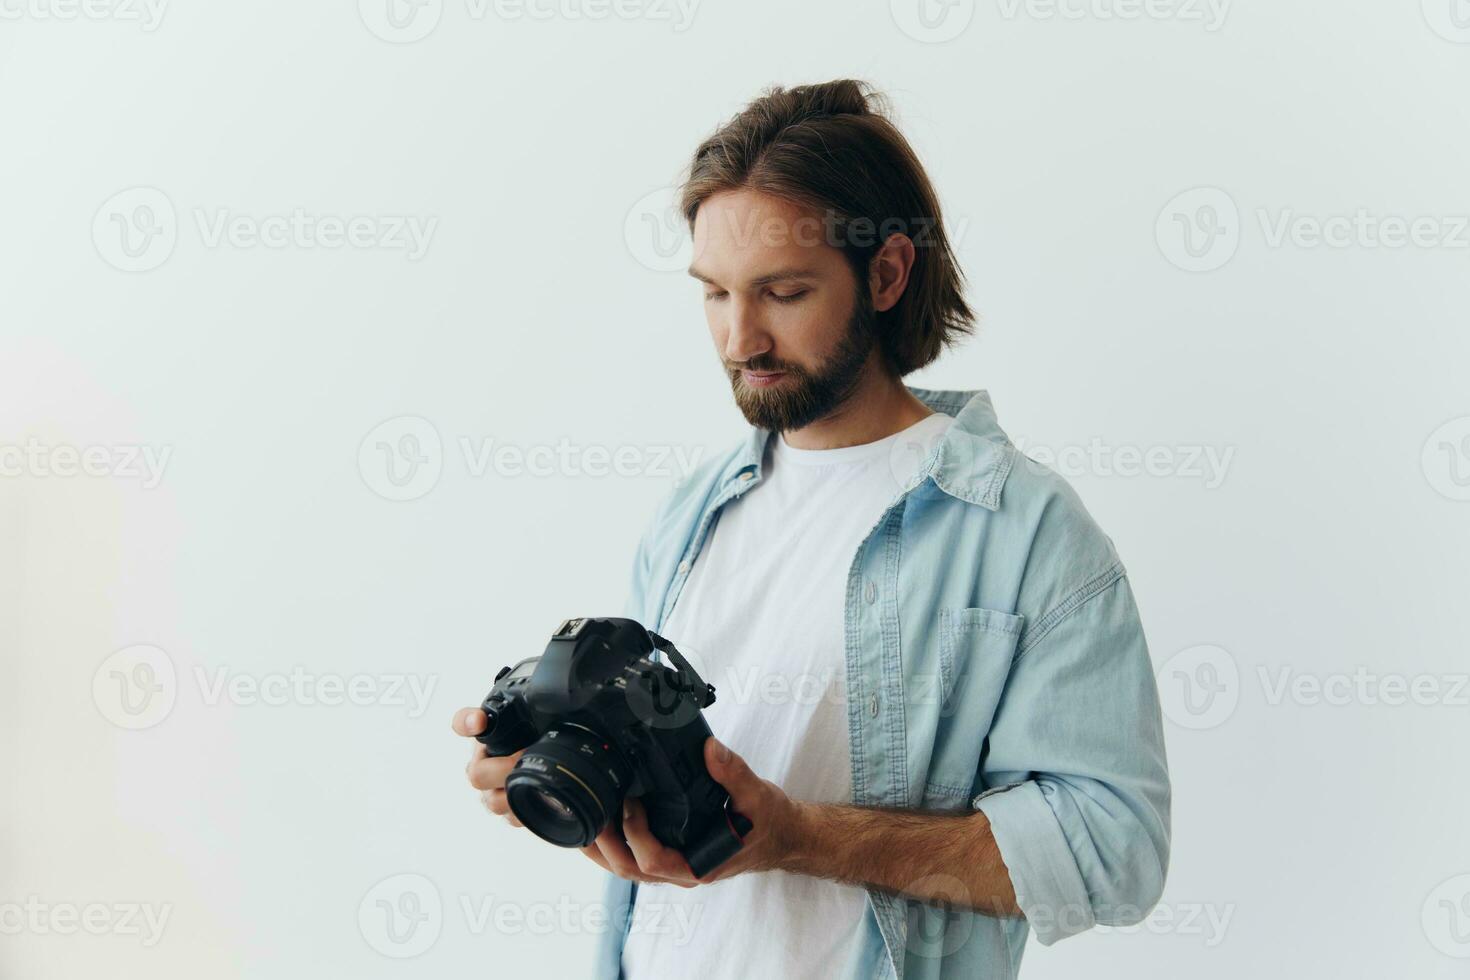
<point x="805" y="396"/>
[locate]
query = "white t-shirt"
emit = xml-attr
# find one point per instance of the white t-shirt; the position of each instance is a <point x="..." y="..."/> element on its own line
<point x="761" y="618"/>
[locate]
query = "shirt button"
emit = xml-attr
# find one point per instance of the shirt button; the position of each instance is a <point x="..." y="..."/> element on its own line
<point x="870" y="593"/>
<point x="747" y="475"/>
<point x="683" y="567"/>
<point x="873" y="706"/>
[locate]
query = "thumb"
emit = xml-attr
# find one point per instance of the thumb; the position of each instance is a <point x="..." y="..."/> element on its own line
<point x="728" y="769"/>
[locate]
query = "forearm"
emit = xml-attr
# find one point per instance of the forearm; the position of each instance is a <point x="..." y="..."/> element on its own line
<point x="943" y="857"/>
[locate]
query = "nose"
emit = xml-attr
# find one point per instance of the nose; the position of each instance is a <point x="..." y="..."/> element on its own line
<point x="747" y="336"/>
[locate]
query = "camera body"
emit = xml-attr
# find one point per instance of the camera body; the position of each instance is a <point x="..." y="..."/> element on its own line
<point x="601" y="720"/>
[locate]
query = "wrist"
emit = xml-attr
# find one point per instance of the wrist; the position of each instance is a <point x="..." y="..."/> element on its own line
<point x="794" y="838"/>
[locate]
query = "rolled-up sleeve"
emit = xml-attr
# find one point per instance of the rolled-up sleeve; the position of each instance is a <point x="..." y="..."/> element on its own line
<point x="1079" y="785"/>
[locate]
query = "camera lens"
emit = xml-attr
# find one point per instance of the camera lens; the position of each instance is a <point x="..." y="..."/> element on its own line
<point x="567" y="785"/>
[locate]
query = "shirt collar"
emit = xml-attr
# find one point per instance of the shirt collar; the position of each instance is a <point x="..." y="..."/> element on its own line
<point x="970" y="461"/>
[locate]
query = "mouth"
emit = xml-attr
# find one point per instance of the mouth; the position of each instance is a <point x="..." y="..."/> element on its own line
<point x="762" y="379"/>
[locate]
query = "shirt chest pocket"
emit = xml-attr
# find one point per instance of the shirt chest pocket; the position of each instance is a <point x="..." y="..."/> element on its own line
<point x="976" y="647"/>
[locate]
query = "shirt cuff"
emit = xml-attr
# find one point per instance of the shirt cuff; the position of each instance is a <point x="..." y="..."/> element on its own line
<point x="1049" y="888"/>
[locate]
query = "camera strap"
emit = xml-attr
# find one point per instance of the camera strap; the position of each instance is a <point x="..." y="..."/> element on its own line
<point x="688" y="679"/>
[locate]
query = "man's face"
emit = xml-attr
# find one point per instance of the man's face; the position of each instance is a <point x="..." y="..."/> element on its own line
<point x="789" y="320"/>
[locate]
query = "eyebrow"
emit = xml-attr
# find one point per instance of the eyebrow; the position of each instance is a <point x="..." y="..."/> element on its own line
<point x="792" y="272"/>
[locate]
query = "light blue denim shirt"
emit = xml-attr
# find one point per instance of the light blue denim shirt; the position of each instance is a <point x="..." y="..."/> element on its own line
<point x="995" y="661"/>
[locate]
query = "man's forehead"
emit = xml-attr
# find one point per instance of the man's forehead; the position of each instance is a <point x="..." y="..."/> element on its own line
<point x="759" y="239"/>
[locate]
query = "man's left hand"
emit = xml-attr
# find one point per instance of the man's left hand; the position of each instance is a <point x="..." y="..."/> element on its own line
<point x="634" y="853"/>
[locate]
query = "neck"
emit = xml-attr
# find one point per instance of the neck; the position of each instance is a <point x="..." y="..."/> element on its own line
<point x="879" y="406"/>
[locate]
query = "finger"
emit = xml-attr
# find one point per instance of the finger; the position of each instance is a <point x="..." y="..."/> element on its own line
<point x="469" y="721"/>
<point x="731" y="772"/>
<point x="495" y="802"/>
<point x="620" y="860"/>
<point x="653" y="857"/>
<point x="490" y="773"/>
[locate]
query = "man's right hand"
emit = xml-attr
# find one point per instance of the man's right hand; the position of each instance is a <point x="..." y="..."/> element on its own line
<point x="486" y="774"/>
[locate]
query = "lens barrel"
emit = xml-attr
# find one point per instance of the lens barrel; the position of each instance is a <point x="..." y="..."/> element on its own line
<point x="567" y="785"/>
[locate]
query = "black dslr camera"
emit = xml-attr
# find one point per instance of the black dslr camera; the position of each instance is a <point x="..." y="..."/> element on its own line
<point x="600" y="721"/>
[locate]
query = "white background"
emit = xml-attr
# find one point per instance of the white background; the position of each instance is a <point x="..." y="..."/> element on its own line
<point x="1328" y="832"/>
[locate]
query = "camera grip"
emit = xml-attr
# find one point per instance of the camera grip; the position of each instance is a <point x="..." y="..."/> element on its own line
<point x="721" y="840"/>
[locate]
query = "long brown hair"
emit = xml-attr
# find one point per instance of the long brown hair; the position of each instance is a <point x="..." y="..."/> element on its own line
<point x="832" y="148"/>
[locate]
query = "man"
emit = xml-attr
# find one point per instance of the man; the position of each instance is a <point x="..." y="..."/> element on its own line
<point x="936" y="704"/>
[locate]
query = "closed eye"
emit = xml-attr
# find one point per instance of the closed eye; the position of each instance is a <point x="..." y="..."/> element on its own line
<point x="778" y="297"/>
